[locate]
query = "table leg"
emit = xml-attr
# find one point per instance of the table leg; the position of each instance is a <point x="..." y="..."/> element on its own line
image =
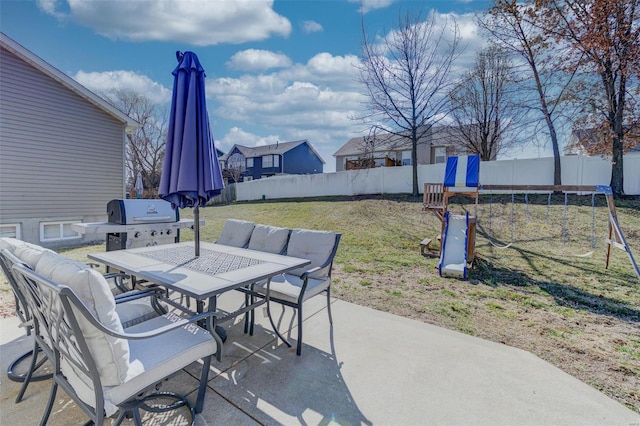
<point x="212" y="308"/>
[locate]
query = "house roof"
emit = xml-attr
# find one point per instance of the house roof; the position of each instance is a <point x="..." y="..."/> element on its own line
<point x="29" y="57"/>
<point x="437" y="135"/>
<point x="276" y="148"/>
<point x="383" y="142"/>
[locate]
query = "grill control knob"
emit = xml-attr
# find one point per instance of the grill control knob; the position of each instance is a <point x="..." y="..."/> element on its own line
<point x="168" y="232"/>
<point x="136" y="235"/>
<point x="154" y="233"/>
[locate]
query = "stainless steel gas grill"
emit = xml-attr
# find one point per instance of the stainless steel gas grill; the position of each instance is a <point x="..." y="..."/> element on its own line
<point x="134" y="223"/>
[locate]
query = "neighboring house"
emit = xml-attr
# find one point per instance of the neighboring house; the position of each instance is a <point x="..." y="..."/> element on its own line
<point x="243" y="163"/>
<point x="588" y="142"/>
<point x="62" y="150"/>
<point x="388" y="150"/>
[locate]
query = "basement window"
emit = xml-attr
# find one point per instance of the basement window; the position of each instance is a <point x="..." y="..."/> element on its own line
<point x="10" y="230"/>
<point x="56" y="231"/>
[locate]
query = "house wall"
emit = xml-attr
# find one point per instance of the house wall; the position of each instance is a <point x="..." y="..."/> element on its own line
<point x="62" y="158"/>
<point x="301" y="160"/>
<point x="340" y="163"/>
<point x="576" y="170"/>
<point x="424" y="153"/>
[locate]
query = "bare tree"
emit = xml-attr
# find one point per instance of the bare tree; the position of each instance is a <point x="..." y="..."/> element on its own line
<point x="407" y="76"/>
<point x="146" y="146"/>
<point x="480" y="105"/>
<point x="235" y="167"/>
<point x="516" y="26"/>
<point x="604" y="38"/>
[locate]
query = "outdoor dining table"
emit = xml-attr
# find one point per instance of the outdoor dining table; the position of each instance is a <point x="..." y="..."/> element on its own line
<point x="218" y="269"/>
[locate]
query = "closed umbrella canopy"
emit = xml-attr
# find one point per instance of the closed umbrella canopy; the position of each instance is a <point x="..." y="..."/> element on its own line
<point x="191" y="173"/>
<point x="139" y="185"/>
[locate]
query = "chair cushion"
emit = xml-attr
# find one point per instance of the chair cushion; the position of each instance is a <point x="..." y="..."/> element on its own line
<point x="162" y="355"/>
<point x="135" y="311"/>
<point x="27" y="252"/>
<point x="110" y="354"/>
<point x="236" y="233"/>
<point x="270" y="239"/>
<point x="287" y="287"/>
<point x="315" y="246"/>
<point x="9" y="243"/>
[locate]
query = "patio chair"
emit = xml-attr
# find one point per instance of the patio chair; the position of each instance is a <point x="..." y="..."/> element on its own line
<point x="236" y="233"/>
<point x="102" y="367"/>
<point x="294" y="288"/>
<point x="132" y="307"/>
<point x="270" y="239"/>
<point x="24" y="315"/>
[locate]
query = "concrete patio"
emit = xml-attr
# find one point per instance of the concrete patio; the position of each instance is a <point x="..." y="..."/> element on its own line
<point x="370" y="368"/>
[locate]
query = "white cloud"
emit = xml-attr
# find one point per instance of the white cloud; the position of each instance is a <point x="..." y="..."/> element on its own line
<point x="369" y="5"/>
<point x="109" y="81"/>
<point x="311" y="27"/>
<point x="258" y="60"/>
<point x="321" y="93"/>
<point x="237" y="136"/>
<point x="313" y="101"/>
<point x="197" y="22"/>
<point x="471" y="41"/>
<point x="338" y="72"/>
<point x="470" y="38"/>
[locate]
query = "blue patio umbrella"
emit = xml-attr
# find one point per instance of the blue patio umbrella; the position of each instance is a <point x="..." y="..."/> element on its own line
<point x="191" y="173"/>
<point x="139" y="187"/>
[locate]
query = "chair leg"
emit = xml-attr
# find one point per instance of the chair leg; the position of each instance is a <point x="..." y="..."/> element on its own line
<point x="246" y="315"/>
<point x="32" y="368"/>
<point x="253" y="315"/>
<point x="52" y="398"/>
<point x="275" y="328"/>
<point x="121" y="416"/>
<point x="202" y="388"/>
<point x="27" y="379"/>
<point x="329" y="305"/>
<point x="136" y="417"/>
<point x="299" y="348"/>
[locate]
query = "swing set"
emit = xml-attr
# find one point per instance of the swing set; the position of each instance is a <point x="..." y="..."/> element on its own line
<point x="436" y="199"/>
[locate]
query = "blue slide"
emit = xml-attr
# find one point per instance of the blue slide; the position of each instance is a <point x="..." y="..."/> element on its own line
<point x="453" y="256"/>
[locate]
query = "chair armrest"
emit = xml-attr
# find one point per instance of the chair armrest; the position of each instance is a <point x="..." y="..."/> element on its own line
<point x="181" y="322"/>
<point x="204" y="316"/>
<point x="118" y="278"/>
<point x="139" y="294"/>
<point x="305" y="275"/>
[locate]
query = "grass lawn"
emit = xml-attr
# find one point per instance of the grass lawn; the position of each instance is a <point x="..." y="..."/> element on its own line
<point x="548" y="292"/>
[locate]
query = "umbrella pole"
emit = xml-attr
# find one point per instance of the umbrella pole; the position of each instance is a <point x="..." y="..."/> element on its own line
<point x="196" y="218"/>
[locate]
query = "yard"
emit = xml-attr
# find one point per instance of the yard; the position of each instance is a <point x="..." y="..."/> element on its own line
<point x="548" y="292"/>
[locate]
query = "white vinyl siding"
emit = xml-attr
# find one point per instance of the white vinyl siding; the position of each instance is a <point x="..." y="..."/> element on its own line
<point x="62" y="155"/>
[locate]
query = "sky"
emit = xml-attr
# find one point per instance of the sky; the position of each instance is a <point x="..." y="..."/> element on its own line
<point x="277" y="71"/>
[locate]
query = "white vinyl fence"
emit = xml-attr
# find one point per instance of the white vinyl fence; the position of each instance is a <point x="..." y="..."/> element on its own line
<point x="576" y="170"/>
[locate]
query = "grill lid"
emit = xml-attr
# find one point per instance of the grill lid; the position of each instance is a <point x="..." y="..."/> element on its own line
<point x="135" y="211"/>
